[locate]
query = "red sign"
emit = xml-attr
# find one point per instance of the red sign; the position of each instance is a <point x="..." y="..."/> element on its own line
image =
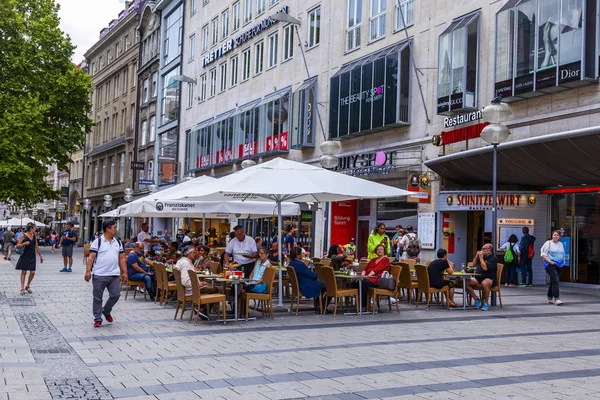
<point x="203" y="161"/>
<point x="461" y="134"/>
<point x="343" y="221"/>
<point x="247" y="149"/>
<point x="277" y="142"/>
<point x="224" y="156"/>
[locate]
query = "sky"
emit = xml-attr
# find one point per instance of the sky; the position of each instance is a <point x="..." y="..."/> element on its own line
<point x="83" y="20"/>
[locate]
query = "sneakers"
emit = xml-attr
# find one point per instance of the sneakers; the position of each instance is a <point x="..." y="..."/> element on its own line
<point x="558" y="302"/>
<point x="64" y="269"/>
<point x="69" y="269"/>
<point x="392" y="300"/>
<point x="550" y="301"/>
<point x="529" y="285"/>
<point x="97" y="324"/>
<point x="477" y="303"/>
<point x="512" y="284"/>
<point x="109" y="318"/>
<point x="485" y="307"/>
<point x="522" y="284"/>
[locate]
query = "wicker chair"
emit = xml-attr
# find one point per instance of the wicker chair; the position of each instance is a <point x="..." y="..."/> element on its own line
<point x="493" y="288"/>
<point x="181" y="297"/>
<point x="265" y="298"/>
<point x="334" y="292"/>
<point x="375" y="293"/>
<point x="162" y="282"/>
<point x="199" y="299"/>
<point x="406" y="280"/>
<point x="424" y="286"/>
<point x="296" y="294"/>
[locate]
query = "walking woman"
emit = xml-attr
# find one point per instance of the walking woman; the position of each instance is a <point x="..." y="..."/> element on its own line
<point x="53" y="240"/>
<point x="553" y="254"/>
<point x="511" y="259"/>
<point x="27" y="260"/>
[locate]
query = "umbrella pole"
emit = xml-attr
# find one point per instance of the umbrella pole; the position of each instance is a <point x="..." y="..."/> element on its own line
<point x="279" y="223"/>
<point x="204" y="230"/>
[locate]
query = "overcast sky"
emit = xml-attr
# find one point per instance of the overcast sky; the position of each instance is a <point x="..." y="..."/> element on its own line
<point x="83" y="20"/>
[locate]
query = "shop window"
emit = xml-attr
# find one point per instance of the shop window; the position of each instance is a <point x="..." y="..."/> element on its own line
<point x="223" y="128"/>
<point x="167" y="157"/>
<point x="544" y="46"/>
<point x="303" y="115"/>
<point x="273" y="122"/>
<point x="457" y="65"/>
<point x="170" y="100"/>
<point x="371" y="93"/>
<point x="246" y="119"/>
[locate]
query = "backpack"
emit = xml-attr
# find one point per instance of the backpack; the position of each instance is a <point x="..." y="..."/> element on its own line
<point x="530" y="251"/>
<point x="509" y="256"/>
<point x="413" y="247"/>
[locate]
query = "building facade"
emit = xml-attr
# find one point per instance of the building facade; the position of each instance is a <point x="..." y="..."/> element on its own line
<point x="113" y="66"/>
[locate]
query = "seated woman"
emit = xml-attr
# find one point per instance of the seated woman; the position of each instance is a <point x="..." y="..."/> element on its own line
<point x="373" y="270"/>
<point x="436" y="270"/>
<point x="308" y="283"/>
<point x="337" y="254"/>
<point x="257" y="285"/>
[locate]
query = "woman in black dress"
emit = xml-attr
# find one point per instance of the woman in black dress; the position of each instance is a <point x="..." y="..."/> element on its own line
<point x="27" y="260"/>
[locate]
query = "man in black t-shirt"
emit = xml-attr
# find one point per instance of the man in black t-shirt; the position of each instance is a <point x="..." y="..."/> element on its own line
<point x="436" y="274"/>
<point x="486" y="266"/>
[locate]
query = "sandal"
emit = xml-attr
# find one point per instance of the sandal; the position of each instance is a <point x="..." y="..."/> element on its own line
<point x="23" y="293"/>
<point x="28" y="290"/>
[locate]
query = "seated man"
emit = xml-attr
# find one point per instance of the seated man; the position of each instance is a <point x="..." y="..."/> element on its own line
<point x="486" y="265"/>
<point x="185" y="264"/>
<point x="308" y="282"/>
<point x="137" y="269"/>
<point x="436" y="274"/>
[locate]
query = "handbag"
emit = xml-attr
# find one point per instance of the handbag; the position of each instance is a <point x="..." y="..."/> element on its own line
<point x="387" y="282"/>
<point x="19" y="250"/>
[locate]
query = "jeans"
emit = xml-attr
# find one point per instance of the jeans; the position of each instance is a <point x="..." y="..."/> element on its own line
<point x="526" y="271"/>
<point x="99" y="283"/>
<point x="513" y="275"/>
<point x="147" y="281"/>
<point x="552" y="272"/>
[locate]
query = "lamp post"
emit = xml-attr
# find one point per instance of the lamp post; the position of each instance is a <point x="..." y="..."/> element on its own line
<point x="495" y="133"/>
<point x="329" y="148"/>
<point x="87" y="203"/>
<point x="128" y="197"/>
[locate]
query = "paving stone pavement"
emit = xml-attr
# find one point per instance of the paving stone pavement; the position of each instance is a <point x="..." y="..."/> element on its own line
<point x="526" y="350"/>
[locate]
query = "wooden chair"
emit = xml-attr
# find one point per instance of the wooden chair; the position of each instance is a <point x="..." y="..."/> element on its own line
<point x="316" y="260"/>
<point x="333" y="291"/>
<point x="296" y="294"/>
<point x="326" y="262"/>
<point x="265" y="298"/>
<point x="319" y="271"/>
<point x="162" y="282"/>
<point x="181" y="297"/>
<point x="135" y="284"/>
<point x="127" y="251"/>
<point x="375" y="293"/>
<point x="215" y="267"/>
<point x="362" y="265"/>
<point x="406" y="280"/>
<point x="391" y="259"/>
<point x="424" y="286"/>
<point x="86" y="252"/>
<point x="493" y="288"/>
<point x="199" y="299"/>
<point x="411" y="263"/>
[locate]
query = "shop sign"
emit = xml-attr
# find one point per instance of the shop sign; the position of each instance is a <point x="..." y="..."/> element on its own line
<point x="203" y="161"/>
<point x="247" y="149"/>
<point x="231" y="44"/>
<point x="375" y="163"/>
<point x="224" y="156"/>
<point x="484" y="201"/>
<point x="459" y="135"/>
<point x="146" y="182"/>
<point x="277" y="142"/>
<point x="138" y="165"/>
<point x="343" y="221"/>
<point x="449" y="122"/>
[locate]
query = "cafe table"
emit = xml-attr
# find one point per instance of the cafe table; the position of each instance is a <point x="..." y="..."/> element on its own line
<point x="357" y="277"/>
<point x="234" y="284"/>
<point x="464" y="275"/>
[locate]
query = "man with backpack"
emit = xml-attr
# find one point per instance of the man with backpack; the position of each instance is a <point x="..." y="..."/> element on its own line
<point x="107" y="258"/>
<point x="527" y="254"/>
<point x="412" y="245"/>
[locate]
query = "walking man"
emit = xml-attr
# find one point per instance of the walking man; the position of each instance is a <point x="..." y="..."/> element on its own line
<point x="9" y="242"/>
<point x="527" y="254"/>
<point x="67" y="241"/>
<point x="107" y="258"/>
<point x="243" y="249"/>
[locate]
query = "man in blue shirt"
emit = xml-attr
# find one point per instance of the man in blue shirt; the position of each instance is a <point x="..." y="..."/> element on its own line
<point x="137" y="269"/>
<point x="289" y="242"/>
<point x="67" y="241"/>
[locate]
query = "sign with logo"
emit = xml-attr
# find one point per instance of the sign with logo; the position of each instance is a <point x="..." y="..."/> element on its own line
<point x="343" y="221"/>
<point x="64" y="191"/>
<point x="247" y="149"/>
<point x="231" y="44"/>
<point x="376" y="163"/>
<point x="138" y="165"/>
<point x="449" y="122"/>
<point x="483" y="201"/>
<point x="146" y="182"/>
<point x="459" y="135"/>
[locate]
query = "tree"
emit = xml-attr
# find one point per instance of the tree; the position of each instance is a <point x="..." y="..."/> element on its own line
<point x="44" y="100"/>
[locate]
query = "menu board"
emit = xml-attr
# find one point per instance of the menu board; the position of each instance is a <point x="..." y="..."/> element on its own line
<point x="426" y="230"/>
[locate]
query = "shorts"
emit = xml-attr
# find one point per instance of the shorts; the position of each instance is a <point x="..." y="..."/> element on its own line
<point x="52" y="241"/>
<point x="67" y="251"/>
<point x="483" y="278"/>
<point x="8" y="246"/>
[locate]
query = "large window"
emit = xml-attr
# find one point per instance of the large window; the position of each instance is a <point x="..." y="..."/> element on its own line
<point x="192" y="47"/>
<point x="543" y="46"/>
<point x="260" y="6"/>
<point x="259" y="49"/>
<point x="167" y="157"/>
<point x="223" y="76"/>
<point x="152" y="128"/>
<point x="143" y="133"/>
<point x="194" y="7"/>
<point x="225" y="23"/>
<point x="273" y="50"/>
<point x="246" y="64"/>
<point x="145" y="91"/>
<point x="111" y="178"/>
<point x="190" y="95"/>
<point x="170" y="100"/>
<point x="247" y="11"/>
<point x="288" y="42"/>
<point x="457" y="65"/>
<point x="205" y="37"/>
<point x="234" y="70"/>
<point x="405" y="9"/>
<point x="354" y="24"/>
<point x="212" y="82"/>
<point x="215" y="31"/>
<point x="173" y="35"/>
<point x="203" y="87"/>
<point x="121" y="167"/>
<point x="155" y="84"/>
<point x="371" y="92"/>
<point x="377" y="19"/>
<point x="314" y="27"/>
<point x="235" y="14"/>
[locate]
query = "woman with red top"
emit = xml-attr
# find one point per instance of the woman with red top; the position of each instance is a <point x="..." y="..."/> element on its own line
<point x="373" y="271"/>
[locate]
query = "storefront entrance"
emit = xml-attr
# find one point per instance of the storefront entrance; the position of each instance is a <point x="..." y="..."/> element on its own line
<point x="577" y="216"/>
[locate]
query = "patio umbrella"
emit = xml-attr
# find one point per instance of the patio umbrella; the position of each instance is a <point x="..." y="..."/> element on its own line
<point x="110" y="214"/>
<point x="21" y="222"/>
<point x="280" y="180"/>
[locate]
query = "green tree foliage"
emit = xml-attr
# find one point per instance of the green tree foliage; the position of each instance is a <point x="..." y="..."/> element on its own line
<point x="44" y="100"/>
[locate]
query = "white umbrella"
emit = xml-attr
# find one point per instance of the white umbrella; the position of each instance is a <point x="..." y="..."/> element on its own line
<point x="21" y="222"/>
<point x="110" y="214"/>
<point x="281" y="180"/>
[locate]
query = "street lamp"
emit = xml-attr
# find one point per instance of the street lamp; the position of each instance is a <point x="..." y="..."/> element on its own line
<point x="87" y="204"/>
<point x="248" y="163"/>
<point x="495" y="133"/>
<point x="329" y="148"/>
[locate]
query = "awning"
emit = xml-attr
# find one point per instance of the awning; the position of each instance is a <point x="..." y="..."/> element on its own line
<point x="560" y="159"/>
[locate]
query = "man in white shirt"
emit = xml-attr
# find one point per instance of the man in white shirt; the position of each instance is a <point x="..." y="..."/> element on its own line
<point x="146" y="238"/>
<point x="107" y="257"/>
<point x="244" y="251"/>
<point x="185" y="264"/>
